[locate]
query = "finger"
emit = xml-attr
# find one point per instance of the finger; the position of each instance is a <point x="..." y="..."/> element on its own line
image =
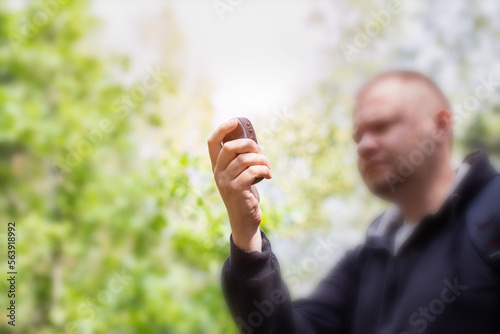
<point x="215" y="140"/>
<point x="246" y="178"/>
<point x="245" y="160"/>
<point x="231" y="149"/>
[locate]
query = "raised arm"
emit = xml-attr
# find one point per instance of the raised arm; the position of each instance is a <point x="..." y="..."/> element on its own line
<point x="251" y="278"/>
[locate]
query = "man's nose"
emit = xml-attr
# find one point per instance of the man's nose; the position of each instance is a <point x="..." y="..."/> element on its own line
<point x="367" y="145"/>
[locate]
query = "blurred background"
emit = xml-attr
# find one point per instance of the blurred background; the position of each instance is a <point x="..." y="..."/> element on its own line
<point x="105" y="109"/>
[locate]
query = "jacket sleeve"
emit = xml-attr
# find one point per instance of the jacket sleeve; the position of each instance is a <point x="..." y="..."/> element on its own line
<point x="260" y="302"/>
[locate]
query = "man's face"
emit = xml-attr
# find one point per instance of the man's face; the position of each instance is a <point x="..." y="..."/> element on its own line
<point x="386" y="127"/>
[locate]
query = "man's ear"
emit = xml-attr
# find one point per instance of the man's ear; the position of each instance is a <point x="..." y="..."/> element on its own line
<point x="443" y="126"/>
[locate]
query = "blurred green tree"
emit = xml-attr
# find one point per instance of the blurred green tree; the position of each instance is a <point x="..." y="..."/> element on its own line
<point x="107" y="242"/>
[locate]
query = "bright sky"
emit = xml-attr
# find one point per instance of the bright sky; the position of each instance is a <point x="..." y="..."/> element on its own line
<point x="257" y="57"/>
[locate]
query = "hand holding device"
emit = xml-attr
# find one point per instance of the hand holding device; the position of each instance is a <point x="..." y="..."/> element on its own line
<point x="244" y="129"/>
<point x="237" y="165"/>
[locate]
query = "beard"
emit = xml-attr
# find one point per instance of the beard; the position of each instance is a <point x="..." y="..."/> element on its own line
<point x="390" y="178"/>
<point x="380" y="180"/>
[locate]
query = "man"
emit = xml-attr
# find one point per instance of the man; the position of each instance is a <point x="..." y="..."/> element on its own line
<point x="429" y="264"/>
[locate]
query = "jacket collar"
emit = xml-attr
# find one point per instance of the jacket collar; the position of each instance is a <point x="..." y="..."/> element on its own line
<point x="481" y="172"/>
<point x="473" y="174"/>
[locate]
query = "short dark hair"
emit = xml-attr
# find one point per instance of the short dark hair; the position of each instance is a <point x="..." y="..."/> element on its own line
<point x="405" y="76"/>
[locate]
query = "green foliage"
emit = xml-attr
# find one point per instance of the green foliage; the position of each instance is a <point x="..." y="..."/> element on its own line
<point x="107" y="242"/>
<point x="483" y="132"/>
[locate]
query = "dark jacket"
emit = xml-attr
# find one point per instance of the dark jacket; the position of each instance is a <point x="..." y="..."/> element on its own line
<point x="437" y="283"/>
